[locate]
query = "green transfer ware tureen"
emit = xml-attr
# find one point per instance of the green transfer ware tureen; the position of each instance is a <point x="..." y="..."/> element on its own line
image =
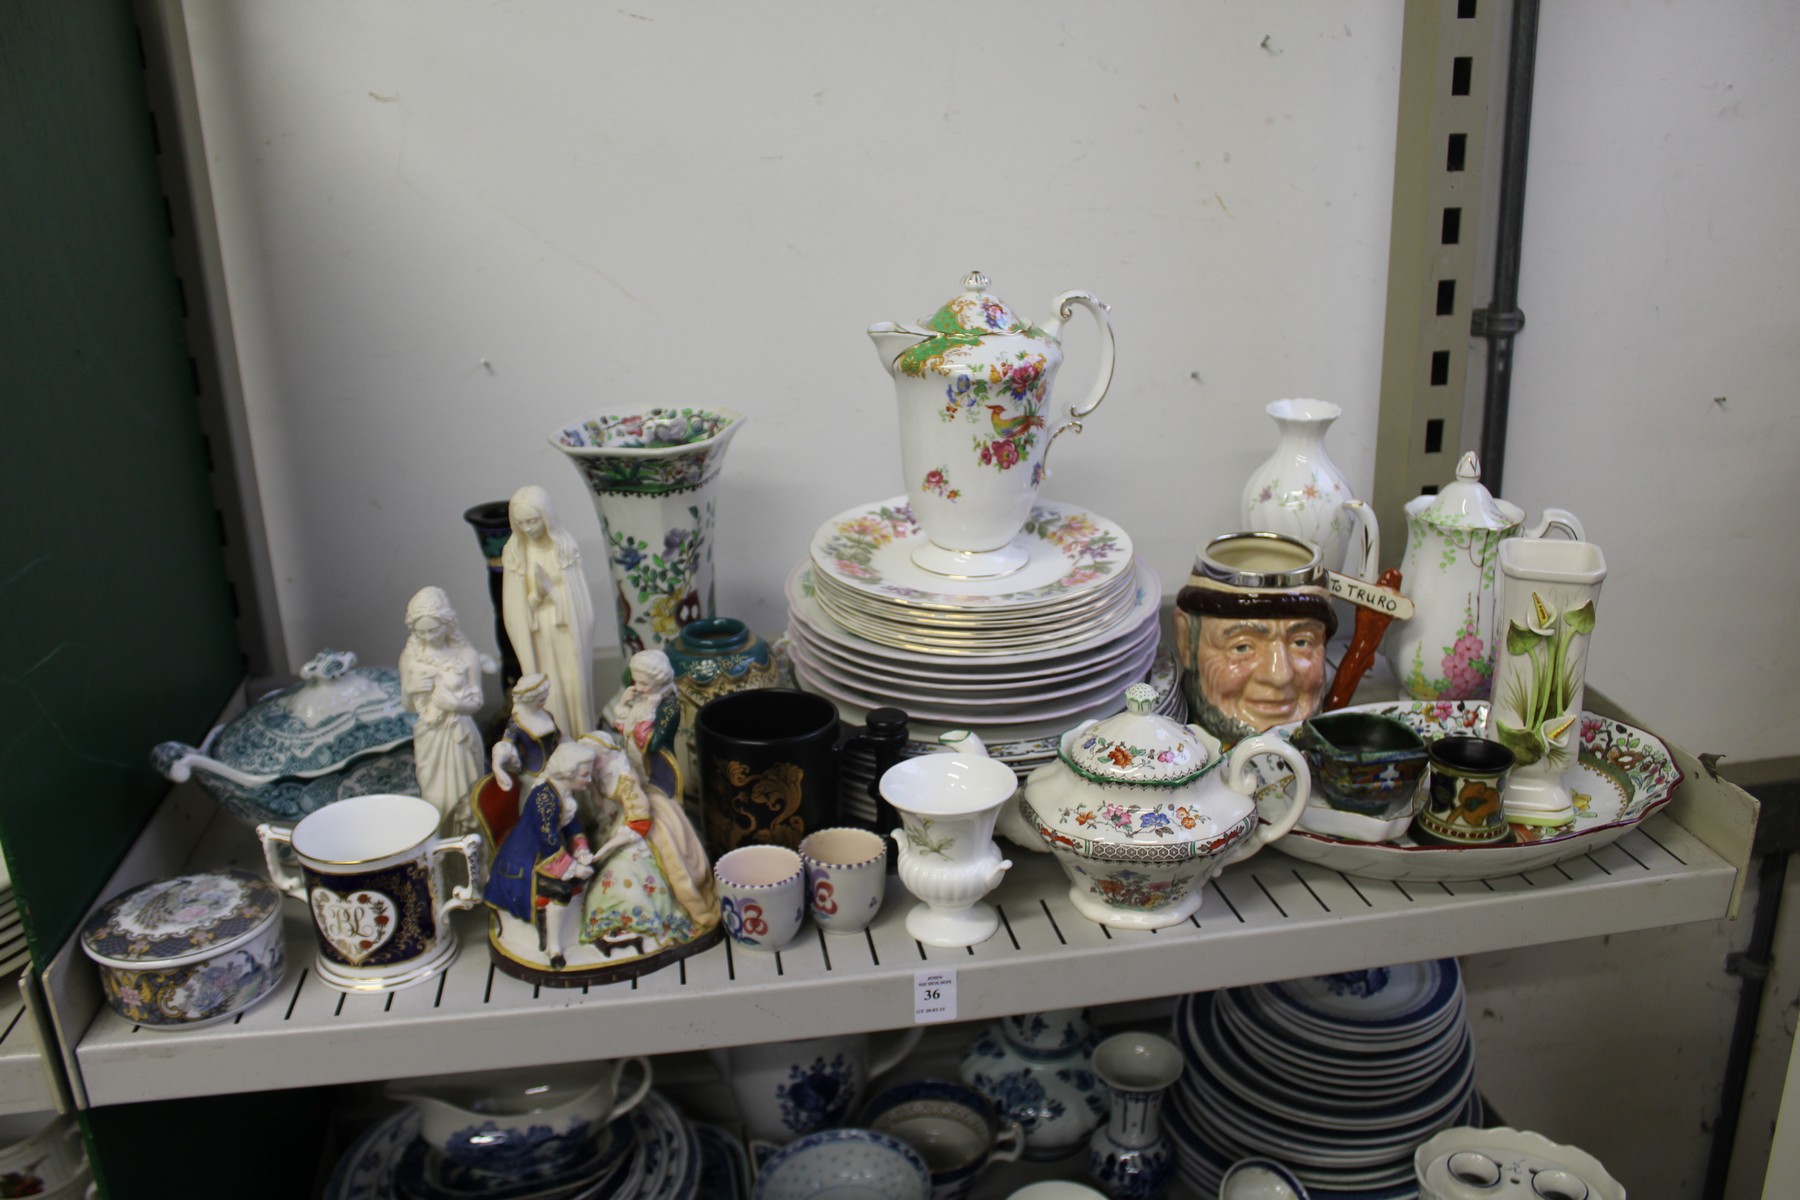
<point x="343" y="731"/>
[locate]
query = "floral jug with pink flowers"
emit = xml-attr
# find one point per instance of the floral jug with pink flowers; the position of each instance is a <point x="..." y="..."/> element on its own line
<point x="1446" y="651"/>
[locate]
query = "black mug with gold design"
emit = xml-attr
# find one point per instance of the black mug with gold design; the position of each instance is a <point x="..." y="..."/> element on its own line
<point x="768" y="763"/>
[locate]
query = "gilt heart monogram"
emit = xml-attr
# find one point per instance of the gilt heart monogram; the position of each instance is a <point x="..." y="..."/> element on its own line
<point x="357" y="924"/>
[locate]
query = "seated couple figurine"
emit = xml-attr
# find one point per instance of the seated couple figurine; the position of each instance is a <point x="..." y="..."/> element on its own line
<point x="598" y="875"/>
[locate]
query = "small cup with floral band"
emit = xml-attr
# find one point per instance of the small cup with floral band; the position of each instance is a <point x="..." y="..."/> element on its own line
<point x="846" y="877"/>
<point x="762" y="896"/>
<point x="1463" y="803"/>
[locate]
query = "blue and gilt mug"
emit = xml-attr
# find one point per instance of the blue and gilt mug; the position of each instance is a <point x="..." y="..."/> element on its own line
<point x="371" y="874"/>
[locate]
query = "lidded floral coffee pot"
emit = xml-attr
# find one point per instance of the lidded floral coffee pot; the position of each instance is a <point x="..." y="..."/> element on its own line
<point x="976" y="422"/>
<point x="1446" y="651"/>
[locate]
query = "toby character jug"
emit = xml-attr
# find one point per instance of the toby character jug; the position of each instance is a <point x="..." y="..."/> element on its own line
<point x="976" y="421"/>
<point x="1446" y="651"/>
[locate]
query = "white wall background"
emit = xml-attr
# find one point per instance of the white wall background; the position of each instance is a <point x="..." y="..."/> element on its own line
<point x="678" y="203"/>
<point x="708" y="202"/>
<point x="1661" y="270"/>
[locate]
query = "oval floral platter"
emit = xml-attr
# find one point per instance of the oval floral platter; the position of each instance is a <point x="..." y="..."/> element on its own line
<point x="1622" y="776"/>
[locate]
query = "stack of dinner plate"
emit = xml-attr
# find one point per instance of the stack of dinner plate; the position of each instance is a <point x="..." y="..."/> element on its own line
<point x="1076" y="586"/>
<point x="1340" y="1077"/>
<point x="1017" y="659"/>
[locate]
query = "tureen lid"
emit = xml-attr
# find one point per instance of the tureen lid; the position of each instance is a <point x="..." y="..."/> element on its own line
<point x="1465" y="503"/>
<point x="977" y="311"/>
<point x="1138" y="746"/>
<point x="338" y="712"/>
<point x="167" y="921"/>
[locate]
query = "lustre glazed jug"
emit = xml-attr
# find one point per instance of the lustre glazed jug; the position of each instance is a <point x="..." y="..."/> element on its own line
<point x="1446" y="651"/>
<point x="973" y="382"/>
<point x="1138" y="816"/>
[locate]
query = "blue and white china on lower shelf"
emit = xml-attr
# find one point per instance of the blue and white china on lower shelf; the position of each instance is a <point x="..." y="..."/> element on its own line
<point x="1338" y="1078"/>
<point x="1261" y="1179"/>
<point x="845" y="1164"/>
<point x="1502" y="1163"/>
<point x="1038" y="1069"/>
<point x="650" y="1153"/>
<point x="724" y="1164"/>
<point x="543" y="1118"/>
<point x="787" y="1089"/>
<point x="1130" y="1156"/>
<point x="955" y="1129"/>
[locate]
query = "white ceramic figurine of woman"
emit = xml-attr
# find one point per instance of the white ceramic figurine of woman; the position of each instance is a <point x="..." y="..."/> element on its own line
<point x="440" y="677"/>
<point x="646" y="712"/>
<point x="548" y="612"/>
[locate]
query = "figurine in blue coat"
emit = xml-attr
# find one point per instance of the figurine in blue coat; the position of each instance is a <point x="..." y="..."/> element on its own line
<point x="543" y="866"/>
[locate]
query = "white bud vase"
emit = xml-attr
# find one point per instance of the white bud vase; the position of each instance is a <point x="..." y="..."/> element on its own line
<point x="1547" y="607"/>
<point x="947" y="805"/>
<point x="1298" y="490"/>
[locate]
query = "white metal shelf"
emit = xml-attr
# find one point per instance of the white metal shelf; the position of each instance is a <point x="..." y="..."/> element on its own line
<point x="1271" y="918"/>
<point x="25" y="1078"/>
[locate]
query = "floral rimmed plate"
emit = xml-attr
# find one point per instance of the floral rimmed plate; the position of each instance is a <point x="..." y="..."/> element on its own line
<point x="869" y="550"/>
<point x="1622" y="776"/>
<point x="1146" y="599"/>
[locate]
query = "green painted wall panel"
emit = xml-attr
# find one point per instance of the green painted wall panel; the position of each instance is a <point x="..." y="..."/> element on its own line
<point x="116" y="612"/>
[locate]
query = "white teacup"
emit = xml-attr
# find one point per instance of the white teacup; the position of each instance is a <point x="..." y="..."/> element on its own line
<point x="955" y="1129"/>
<point x="762" y="896"/>
<point x="846" y="877"/>
<point x="371" y="874"/>
<point x="538" y="1117"/>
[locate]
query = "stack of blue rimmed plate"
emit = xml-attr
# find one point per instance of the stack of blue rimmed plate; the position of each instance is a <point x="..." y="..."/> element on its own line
<point x="1340" y="1077"/>
<point x="650" y="1153"/>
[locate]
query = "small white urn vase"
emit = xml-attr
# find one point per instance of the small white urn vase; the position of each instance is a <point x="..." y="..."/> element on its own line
<point x="1299" y="491"/>
<point x="947" y="805"/>
<point x="1547" y="605"/>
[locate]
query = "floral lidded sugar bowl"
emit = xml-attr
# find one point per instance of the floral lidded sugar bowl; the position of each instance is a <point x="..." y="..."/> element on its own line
<point x="193" y="950"/>
<point x="344" y="731"/>
<point x="1141" y="811"/>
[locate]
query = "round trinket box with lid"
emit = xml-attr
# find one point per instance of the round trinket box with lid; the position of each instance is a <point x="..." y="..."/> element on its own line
<point x="188" y="951"/>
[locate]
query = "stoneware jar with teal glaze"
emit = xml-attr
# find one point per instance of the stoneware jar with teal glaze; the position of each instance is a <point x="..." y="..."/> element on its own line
<point x="714" y="657"/>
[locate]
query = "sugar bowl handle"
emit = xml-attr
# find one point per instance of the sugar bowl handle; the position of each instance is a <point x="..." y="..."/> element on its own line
<point x="285" y="879"/>
<point x="1239" y="779"/>
<point x="462" y="896"/>
<point x="1557" y="518"/>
